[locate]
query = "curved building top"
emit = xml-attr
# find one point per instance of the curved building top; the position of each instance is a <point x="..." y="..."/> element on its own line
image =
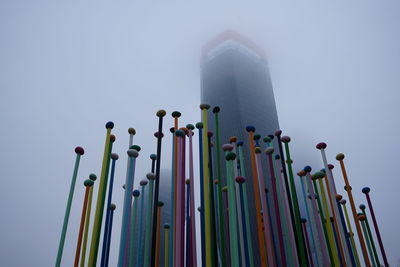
<point x="231" y="40"/>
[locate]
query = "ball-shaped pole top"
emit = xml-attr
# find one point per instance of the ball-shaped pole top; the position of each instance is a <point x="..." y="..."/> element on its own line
<point x="204" y="106"/>
<point x="285" y="139"/>
<point x="158" y="134"/>
<point x="132" y="131"/>
<point x="187" y="181"/>
<point x="257" y="150"/>
<point x="114" y="156"/>
<point x="303" y="220"/>
<point x="321" y="145"/>
<point x="227" y="147"/>
<point x="271" y="136"/>
<point x="179" y="133"/>
<point x="88" y="182"/>
<point x="79" y="150"/>
<point x="277" y="157"/>
<point x="216" y="181"/>
<point x="278" y="132"/>
<point x="92" y="177"/>
<point x="160" y="204"/>
<point x="151" y="176"/>
<point x="109" y="125"/>
<point x="347" y="187"/>
<point x="250" y="128"/>
<point x="339" y="197"/>
<point x="132" y="153"/>
<point x="269" y="150"/>
<point x="210" y="134"/>
<point x="136" y="193"/>
<point x="113" y="206"/>
<point x="166" y="226"/>
<point x="176" y="114"/>
<point x="366" y="190"/>
<point x="112" y="138"/>
<point x="232" y="139"/>
<point x="225" y="189"/>
<point x="361" y="217"/>
<point x="331" y="166"/>
<point x="199" y="209"/>
<point x="267" y="139"/>
<point x="230" y="156"/>
<point x="240" y="179"/>
<point x="136" y="147"/>
<point x="307" y="169"/>
<point x="153" y="156"/>
<point x="190" y="126"/>
<point x="340" y="156"/>
<point x="257" y="137"/>
<point x="362" y="207"/>
<point x="322" y="170"/>
<point x="172" y="129"/>
<point x="199" y="125"/>
<point x="320" y="175"/>
<point x="216" y="109"/>
<point x="143" y="182"/>
<point x="185" y="130"/>
<point x="301" y="173"/>
<point x="161" y="113"/>
<point x="343" y="201"/>
<point x="240" y="143"/>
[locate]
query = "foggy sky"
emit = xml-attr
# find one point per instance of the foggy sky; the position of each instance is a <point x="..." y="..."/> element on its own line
<point x="68" y="68"/>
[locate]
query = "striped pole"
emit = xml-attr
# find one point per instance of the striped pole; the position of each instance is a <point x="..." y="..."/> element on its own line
<point x="251" y="130"/>
<point x="122" y="259"/>
<point x="249" y="246"/>
<point x="159" y="135"/>
<point x="351" y="234"/>
<point x="92" y="177"/>
<point x="371" y="238"/>
<point x="166" y="244"/>
<point x="88" y="184"/>
<point x="112" y="208"/>
<point x="114" y="158"/>
<point x="94" y="245"/>
<point x="79" y="152"/>
<point x="193" y="243"/>
<point x="366" y="191"/>
<point x="340" y="158"/>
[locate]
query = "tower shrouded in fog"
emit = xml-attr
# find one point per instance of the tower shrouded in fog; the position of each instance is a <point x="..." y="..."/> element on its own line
<point x="235" y="77"/>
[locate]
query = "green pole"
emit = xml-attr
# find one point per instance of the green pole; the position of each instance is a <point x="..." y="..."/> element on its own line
<point x="79" y="152"/>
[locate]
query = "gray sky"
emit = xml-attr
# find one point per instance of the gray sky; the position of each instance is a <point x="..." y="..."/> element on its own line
<point x="68" y="68"/>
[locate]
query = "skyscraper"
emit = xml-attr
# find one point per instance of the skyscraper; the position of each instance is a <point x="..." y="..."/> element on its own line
<point x="235" y="77"/>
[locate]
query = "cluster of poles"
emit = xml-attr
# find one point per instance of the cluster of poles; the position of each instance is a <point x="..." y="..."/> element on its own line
<point x="321" y="236"/>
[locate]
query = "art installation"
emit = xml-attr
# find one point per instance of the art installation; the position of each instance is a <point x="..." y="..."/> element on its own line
<point x="297" y="223"/>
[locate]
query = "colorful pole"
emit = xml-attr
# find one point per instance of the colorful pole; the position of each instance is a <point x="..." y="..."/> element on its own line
<point x="265" y="210"/>
<point x="303" y="222"/>
<point x="92" y="177"/>
<point x="249" y="246"/>
<point x="176" y="115"/>
<point x="240" y="180"/>
<point x="366" y="191"/>
<point x="114" y="158"/>
<point x="362" y="217"/>
<point x="302" y="249"/>
<point x="269" y="151"/>
<point x="323" y="244"/>
<point x="251" y="130"/>
<point x="157" y="260"/>
<point x="340" y="158"/>
<point x="199" y="126"/>
<point x="188" y="259"/>
<point x="221" y="213"/>
<point x="79" y="152"/>
<point x="122" y="259"/>
<point x="94" y="246"/>
<point x="88" y="183"/>
<point x="159" y="135"/>
<point x="112" y="208"/>
<point x="166" y="244"/>
<point x="147" y="243"/>
<point x="351" y="234"/>
<point x="193" y="245"/>
<point x="171" y="229"/>
<point x="371" y="238"/>
<point x="133" y="233"/>
<point x="140" y="242"/>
